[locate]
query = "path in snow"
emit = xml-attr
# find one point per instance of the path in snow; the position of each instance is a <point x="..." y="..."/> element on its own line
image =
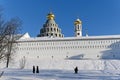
<point x="17" y="74"/>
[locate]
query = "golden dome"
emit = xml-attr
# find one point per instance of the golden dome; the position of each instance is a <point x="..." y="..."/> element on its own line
<point x="78" y="21"/>
<point x="50" y="16"/>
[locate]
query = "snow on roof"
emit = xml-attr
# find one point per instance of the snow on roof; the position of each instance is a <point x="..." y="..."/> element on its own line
<point x="26" y="37"/>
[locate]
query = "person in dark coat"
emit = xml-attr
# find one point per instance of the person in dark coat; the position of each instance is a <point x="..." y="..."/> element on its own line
<point x="37" y="69"/>
<point x="76" y="70"/>
<point x="33" y="69"/>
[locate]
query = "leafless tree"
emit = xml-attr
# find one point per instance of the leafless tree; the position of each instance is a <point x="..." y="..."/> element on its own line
<point x="8" y="36"/>
<point x="13" y="28"/>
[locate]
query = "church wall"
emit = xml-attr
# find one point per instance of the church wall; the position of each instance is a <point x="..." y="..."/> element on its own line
<point x="65" y="49"/>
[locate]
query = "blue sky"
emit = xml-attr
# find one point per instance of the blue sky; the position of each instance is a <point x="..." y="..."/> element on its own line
<point x="100" y="17"/>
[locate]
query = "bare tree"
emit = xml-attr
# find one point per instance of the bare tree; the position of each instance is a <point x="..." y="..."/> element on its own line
<point x="8" y="37"/>
<point x="13" y="28"/>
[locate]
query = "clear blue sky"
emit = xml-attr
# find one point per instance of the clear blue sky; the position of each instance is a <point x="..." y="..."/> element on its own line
<point x="100" y="17"/>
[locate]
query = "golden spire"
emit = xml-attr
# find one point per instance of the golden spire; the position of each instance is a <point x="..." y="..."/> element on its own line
<point x="78" y="21"/>
<point x="50" y="16"/>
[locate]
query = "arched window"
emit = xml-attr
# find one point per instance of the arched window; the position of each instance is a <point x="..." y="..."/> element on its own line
<point x="48" y="29"/>
<point x="51" y="34"/>
<point x="55" y="29"/>
<point x="51" y="29"/>
<point x="59" y="35"/>
<point x="56" y="35"/>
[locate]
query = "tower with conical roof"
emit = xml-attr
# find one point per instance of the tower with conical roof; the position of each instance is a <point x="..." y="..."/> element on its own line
<point x="78" y="28"/>
<point x="50" y="28"/>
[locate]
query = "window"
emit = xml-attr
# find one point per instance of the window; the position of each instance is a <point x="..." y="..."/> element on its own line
<point x="56" y="35"/>
<point x="51" y="29"/>
<point x="59" y="35"/>
<point x="97" y="55"/>
<point x="48" y="29"/>
<point x="55" y="29"/>
<point x="78" y="27"/>
<point x="51" y="34"/>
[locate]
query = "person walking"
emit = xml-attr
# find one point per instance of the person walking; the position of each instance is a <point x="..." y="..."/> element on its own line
<point x="33" y="69"/>
<point x="37" y="69"/>
<point x="76" y="70"/>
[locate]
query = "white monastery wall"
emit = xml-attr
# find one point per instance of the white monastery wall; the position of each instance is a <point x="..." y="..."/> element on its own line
<point x="70" y="49"/>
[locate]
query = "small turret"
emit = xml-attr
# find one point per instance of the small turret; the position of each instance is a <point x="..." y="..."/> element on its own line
<point x="78" y="28"/>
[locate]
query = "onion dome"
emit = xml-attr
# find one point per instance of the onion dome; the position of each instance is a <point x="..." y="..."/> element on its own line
<point x="50" y="16"/>
<point x="78" y="21"/>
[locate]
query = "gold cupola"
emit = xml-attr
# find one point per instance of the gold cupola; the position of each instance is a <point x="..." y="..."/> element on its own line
<point x="78" y="21"/>
<point x="50" y="16"/>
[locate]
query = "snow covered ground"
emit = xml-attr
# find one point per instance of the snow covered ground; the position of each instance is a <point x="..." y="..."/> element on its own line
<point x="56" y="69"/>
<point x="26" y="74"/>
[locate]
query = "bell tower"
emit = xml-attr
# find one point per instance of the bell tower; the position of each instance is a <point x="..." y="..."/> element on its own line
<point x="78" y="28"/>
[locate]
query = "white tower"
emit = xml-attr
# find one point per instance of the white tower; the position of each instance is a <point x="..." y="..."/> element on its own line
<point x="78" y="28"/>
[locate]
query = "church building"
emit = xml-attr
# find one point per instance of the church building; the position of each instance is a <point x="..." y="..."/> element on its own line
<point x="51" y="43"/>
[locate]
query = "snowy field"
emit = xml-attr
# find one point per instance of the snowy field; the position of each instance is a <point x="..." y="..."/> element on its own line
<point x="64" y="70"/>
<point x="26" y="74"/>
